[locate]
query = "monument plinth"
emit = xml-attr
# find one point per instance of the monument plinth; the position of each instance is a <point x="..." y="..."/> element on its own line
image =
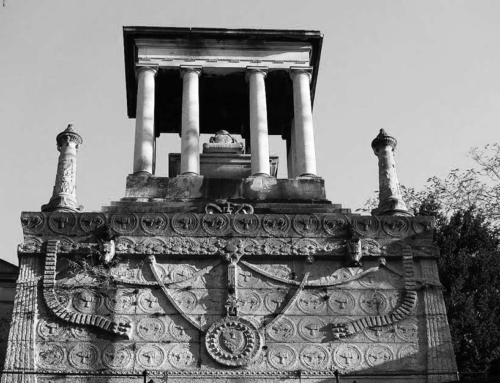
<point x="219" y="275"/>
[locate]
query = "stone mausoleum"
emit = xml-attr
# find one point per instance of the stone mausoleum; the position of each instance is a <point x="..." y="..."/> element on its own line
<point x="223" y="272"/>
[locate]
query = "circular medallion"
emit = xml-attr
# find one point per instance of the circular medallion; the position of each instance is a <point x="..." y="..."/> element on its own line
<point x="181" y="273"/>
<point x="186" y="300"/>
<point x="246" y="279"/>
<point x="146" y="275"/>
<point x="182" y="357"/>
<point x="178" y="332"/>
<point x="50" y="356"/>
<point x="312" y="329"/>
<point x="341" y="302"/>
<point x="407" y="329"/>
<point x="122" y="271"/>
<point x="150" y="356"/>
<point x="185" y="223"/>
<point x="335" y="224"/>
<point x="396" y="299"/>
<point x="347" y="357"/>
<point x="373" y="303"/>
<point x="32" y="222"/>
<point x="63" y="298"/>
<point x="250" y="302"/>
<point x="408" y="351"/>
<point x="274" y="300"/>
<point x="62" y="222"/>
<point x="395" y="226"/>
<point x="395" y="248"/>
<point x="380" y="334"/>
<point x="124" y="223"/>
<point x="315" y="357"/>
<point x="282" y="357"/>
<point x="246" y="223"/>
<point x="91" y="221"/>
<point x="84" y="356"/>
<point x="371" y="280"/>
<point x="154" y="223"/>
<point x="233" y="341"/>
<point x="50" y="330"/>
<point x="117" y="356"/>
<point x="151" y="328"/>
<point x="306" y="225"/>
<point x="82" y="333"/>
<point x="378" y="354"/>
<point x="421" y="224"/>
<point x="149" y="303"/>
<point x="215" y="224"/>
<point x="87" y="301"/>
<point x="311" y="303"/>
<point x="276" y="224"/>
<point x="282" y="331"/>
<point x="122" y="302"/>
<point x="366" y="225"/>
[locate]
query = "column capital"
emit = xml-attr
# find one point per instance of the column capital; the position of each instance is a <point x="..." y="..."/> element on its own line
<point x="383" y="140"/>
<point x="191" y="68"/>
<point x="141" y="68"/>
<point x="68" y="135"/>
<point x="295" y="70"/>
<point x="251" y="70"/>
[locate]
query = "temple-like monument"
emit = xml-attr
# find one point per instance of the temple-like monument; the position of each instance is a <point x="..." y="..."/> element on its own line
<point x="223" y="272"/>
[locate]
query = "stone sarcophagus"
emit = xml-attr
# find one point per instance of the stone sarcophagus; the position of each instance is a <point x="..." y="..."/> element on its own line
<point x="200" y="279"/>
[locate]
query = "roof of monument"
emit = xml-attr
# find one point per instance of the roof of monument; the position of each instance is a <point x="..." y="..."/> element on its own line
<point x="223" y="99"/>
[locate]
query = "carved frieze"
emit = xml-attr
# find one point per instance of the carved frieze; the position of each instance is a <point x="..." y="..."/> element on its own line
<point x="218" y="222"/>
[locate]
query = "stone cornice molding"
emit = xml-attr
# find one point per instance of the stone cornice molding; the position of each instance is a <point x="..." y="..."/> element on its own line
<point x="251" y="70"/>
<point x="141" y="68"/>
<point x="191" y="68"/>
<point x="301" y="70"/>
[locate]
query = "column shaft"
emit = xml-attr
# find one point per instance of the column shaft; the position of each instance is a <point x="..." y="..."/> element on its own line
<point x="259" y="136"/>
<point x="190" y="135"/>
<point x="304" y="131"/>
<point x="144" y="121"/>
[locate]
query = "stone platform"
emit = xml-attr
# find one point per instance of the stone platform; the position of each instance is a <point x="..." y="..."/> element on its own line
<point x="210" y="296"/>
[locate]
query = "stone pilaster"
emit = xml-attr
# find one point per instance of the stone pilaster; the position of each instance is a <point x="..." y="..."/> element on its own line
<point x="145" y="120"/>
<point x="64" y="194"/>
<point x="259" y="136"/>
<point x="21" y="347"/>
<point x="190" y="135"/>
<point x="305" y="151"/>
<point x="390" y="198"/>
<point x="440" y="354"/>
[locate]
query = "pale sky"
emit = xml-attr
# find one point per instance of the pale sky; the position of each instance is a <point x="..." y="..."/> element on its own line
<point x="426" y="71"/>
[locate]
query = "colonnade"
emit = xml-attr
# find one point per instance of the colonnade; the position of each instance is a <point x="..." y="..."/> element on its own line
<point x="302" y="148"/>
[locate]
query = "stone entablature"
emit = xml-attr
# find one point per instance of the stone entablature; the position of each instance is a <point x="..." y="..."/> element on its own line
<point x="226" y="55"/>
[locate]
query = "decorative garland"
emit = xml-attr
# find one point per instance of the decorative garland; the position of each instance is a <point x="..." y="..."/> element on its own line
<point x="50" y="296"/>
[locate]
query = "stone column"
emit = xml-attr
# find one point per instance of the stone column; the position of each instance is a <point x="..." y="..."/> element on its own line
<point x="259" y="137"/>
<point x="190" y="135"/>
<point x="305" y="151"/>
<point x="145" y="121"/>
<point x="291" y="153"/>
<point x="64" y="193"/>
<point x="390" y="199"/>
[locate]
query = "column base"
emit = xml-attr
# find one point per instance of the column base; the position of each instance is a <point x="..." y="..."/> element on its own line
<point x="188" y="174"/>
<point x="143" y="173"/>
<point x="308" y="175"/>
<point x="392" y="206"/>
<point x="62" y="203"/>
<point x="261" y="175"/>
